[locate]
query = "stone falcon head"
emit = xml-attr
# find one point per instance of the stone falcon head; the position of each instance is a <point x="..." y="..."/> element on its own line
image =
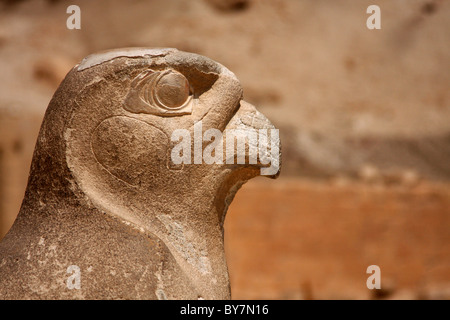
<point x="110" y="145"/>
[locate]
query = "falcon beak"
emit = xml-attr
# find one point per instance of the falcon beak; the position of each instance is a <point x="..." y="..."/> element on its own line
<point x="262" y="143"/>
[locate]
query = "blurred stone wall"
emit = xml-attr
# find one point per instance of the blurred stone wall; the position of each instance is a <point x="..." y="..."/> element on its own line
<point x="18" y="134"/>
<point x="301" y="239"/>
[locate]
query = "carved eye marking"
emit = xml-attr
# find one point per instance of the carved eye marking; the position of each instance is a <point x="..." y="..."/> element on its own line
<point x="165" y="93"/>
<point x="171" y="90"/>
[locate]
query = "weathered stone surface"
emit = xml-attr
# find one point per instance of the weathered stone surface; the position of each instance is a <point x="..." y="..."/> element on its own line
<point x="104" y="195"/>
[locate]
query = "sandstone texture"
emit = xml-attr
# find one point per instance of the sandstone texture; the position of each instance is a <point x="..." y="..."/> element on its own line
<point x="105" y="194"/>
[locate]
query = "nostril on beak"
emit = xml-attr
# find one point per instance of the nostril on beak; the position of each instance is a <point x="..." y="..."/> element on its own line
<point x="253" y="118"/>
<point x="262" y="139"/>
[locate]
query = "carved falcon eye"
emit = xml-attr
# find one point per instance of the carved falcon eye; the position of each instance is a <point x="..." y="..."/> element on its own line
<point x="163" y="93"/>
<point x="171" y="90"/>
